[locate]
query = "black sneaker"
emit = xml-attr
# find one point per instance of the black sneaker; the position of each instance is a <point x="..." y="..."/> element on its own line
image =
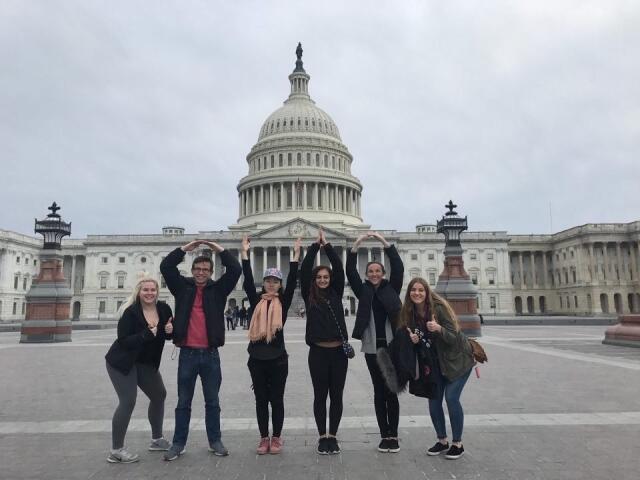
<point x="174" y="452"/>
<point x="323" y="446"/>
<point x="394" y="446"/>
<point x="454" y="452"/>
<point x="438" y="448"/>
<point x="334" y="448"/>
<point x="383" y="446"/>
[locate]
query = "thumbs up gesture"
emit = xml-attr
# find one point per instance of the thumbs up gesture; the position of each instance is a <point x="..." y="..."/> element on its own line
<point x="168" y="328"/>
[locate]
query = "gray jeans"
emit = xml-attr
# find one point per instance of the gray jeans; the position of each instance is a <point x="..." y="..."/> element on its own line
<point x="150" y="382"/>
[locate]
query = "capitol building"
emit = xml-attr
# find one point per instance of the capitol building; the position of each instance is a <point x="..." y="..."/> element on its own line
<point x="298" y="179"/>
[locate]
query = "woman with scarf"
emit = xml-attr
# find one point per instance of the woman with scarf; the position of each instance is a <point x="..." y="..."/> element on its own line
<point x="430" y="322"/>
<point x="378" y="305"/>
<point x="322" y="289"/>
<point x="268" y="360"/>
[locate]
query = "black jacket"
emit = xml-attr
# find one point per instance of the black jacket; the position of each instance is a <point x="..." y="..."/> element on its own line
<point x="214" y="296"/>
<point x="384" y="300"/>
<point x="275" y="349"/>
<point x="322" y="321"/>
<point x="135" y="341"/>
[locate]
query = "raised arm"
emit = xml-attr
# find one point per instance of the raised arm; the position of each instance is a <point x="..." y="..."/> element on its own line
<point x="169" y="267"/>
<point x="352" y="266"/>
<point x="337" y="270"/>
<point x="233" y="270"/>
<point x="249" y="285"/>
<point x="396" y="276"/>
<point x="292" y="278"/>
<point x="306" y="268"/>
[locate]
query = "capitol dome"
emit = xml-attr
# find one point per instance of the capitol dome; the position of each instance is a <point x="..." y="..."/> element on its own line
<point x="299" y="167"/>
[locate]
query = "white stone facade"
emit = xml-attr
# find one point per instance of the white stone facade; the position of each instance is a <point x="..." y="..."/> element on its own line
<point x="299" y="177"/>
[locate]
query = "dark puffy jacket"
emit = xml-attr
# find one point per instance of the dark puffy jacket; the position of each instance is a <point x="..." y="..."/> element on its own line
<point x="387" y="293"/>
<point x="214" y="296"/>
<point x="136" y="341"/>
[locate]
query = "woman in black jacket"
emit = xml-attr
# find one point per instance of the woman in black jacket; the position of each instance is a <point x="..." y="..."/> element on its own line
<point x="133" y="361"/>
<point x="268" y="358"/>
<point x="378" y="306"/>
<point x="322" y="288"/>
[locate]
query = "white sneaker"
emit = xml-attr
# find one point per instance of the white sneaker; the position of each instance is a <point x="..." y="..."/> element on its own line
<point x="122" y="456"/>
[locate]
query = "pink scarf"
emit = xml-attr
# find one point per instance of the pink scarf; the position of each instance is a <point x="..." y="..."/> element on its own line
<point x="265" y="322"/>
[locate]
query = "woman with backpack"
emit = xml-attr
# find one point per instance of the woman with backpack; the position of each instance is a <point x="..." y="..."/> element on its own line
<point x="429" y="319"/>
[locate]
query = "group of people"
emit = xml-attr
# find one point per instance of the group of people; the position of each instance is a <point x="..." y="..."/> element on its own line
<point x="236" y="316"/>
<point x="422" y="332"/>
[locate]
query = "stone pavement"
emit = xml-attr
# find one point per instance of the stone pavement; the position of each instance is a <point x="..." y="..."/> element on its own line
<point x="552" y="403"/>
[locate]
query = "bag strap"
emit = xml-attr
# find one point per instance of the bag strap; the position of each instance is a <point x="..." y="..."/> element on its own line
<point x="336" y="320"/>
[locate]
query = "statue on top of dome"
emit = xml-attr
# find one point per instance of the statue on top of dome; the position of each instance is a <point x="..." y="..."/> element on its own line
<point x="299" y="67"/>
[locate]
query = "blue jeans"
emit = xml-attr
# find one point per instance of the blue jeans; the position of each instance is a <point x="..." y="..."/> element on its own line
<point x="451" y="391"/>
<point x="191" y="363"/>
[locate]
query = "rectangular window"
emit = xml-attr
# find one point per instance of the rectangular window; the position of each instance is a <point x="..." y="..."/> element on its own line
<point x="26" y="261"/>
<point x="24" y="306"/>
<point x="121" y="259"/>
<point x="24" y="283"/>
<point x="15" y="308"/>
<point x="492" y="301"/>
<point x="102" y="306"/>
<point x="105" y="259"/>
<point x="18" y="260"/>
<point x="35" y="262"/>
<point x="491" y="276"/>
<point x="489" y="256"/>
<point x="289" y="159"/>
<point x="575" y="300"/>
<point x="431" y="256"/>
<point x="15" y="282"/>
<point x="472" y="256"/>
<point x="432" y="278"/>
<point x="119" y="304"/>
<point x="163" y="284"/>
<point x="474" y="278"/>
<point x="103" y="282"/>
<point x="121" y="281"/>
<point x="280" y="160"/>
<point x="414" y="256"/>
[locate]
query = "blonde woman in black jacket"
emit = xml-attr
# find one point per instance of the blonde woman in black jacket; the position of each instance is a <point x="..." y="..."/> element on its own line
<point x="133" y="361"/>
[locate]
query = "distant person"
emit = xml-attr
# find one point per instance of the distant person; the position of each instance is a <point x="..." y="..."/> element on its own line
<point x="198" y="329"/>
<point x="243" y="317"/>
<point x="268" y="359"/>
<point x="426" y="313"/>
<point x="376" y="321"/>
<point x="133" y="361"/>
<point x="481" y="319"/>
<point x="228" y="315"/>
<point x="236" y="316"/>
<point x="322" y="289"/>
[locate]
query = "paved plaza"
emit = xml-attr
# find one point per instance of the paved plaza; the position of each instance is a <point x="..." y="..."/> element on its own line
<point x="552" y="403"/>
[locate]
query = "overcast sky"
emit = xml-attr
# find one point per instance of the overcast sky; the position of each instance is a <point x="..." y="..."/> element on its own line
<point x="137" y="114"/>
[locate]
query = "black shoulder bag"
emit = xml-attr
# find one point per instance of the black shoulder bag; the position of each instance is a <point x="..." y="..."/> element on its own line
<point x="346" y="346"/>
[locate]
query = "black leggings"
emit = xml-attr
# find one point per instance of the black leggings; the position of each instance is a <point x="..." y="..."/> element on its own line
<point x="328" y="368"/>
<point x="384" y="400"/>
<point x="269" y="378"/>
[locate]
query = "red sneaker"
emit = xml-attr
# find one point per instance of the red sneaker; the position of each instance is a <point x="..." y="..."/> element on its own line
<point x="263" y="446"/>
<point x="276" y="445"/>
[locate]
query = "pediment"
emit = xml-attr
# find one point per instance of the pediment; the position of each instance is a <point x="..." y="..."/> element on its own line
<point x="297" y="227"/>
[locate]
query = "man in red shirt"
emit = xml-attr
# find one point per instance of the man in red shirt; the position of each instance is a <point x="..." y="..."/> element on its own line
<point x="198" y="329"/>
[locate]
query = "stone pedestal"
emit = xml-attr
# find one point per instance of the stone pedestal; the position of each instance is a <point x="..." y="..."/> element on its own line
<point x="625" y="333"/>
<point x="456" y="286"/>
<point x="48" y="302"/>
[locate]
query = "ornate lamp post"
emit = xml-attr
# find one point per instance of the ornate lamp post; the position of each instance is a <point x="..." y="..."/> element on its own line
<point x="48" y="300"/>
<point x="454" y="282"/>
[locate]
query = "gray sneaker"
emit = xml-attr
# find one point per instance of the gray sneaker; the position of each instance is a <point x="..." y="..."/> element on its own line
<point x="218" y="448"/>
<point x="159" y="445"/>
<point x="174" y="452"/>
<point x="122" y="456"/>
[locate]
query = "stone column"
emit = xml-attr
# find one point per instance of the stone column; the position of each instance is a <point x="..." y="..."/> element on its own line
<point x="344" y="199"/>
<point x="522" y="282"/>
<point x="593" y="264"/>
<point x="632" y="259"/>
<point x="271" y="201"/>
<point x="73" y="274"/>
<point x="282" y="197"/>
<point x="304" y="195"/>
<point x="382" y="255"/>
<point x="344" y="256"/>
<point x="368" y="254"/>
<point x="318" y="258"/>
<point x="265" y="257"/>
<point x="621" y="273"/>
<point x="545" y="274"/>
<point x="252" y="262"/>
<point x="606" y="260"/>
<point x="327" y="205"/>
<point x="278" y="262"/>
<point x="533" y="268"/>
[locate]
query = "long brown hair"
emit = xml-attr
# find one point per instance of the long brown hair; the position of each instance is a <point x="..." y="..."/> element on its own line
<point x="432" y="299"/>
<point x="315" y="294"/>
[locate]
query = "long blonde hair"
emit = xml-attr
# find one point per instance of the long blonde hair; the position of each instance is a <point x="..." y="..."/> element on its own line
<point x="432" y="299"/>
<point x="134" y="297"/>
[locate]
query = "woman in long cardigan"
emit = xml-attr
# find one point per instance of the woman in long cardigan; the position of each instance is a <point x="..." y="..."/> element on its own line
<point x="268" y="358"/>
<point x="133" y="361"/>
<point x="430" y="319"/>
<point x="378" y="306"/>
<point x="322" y="289"/>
